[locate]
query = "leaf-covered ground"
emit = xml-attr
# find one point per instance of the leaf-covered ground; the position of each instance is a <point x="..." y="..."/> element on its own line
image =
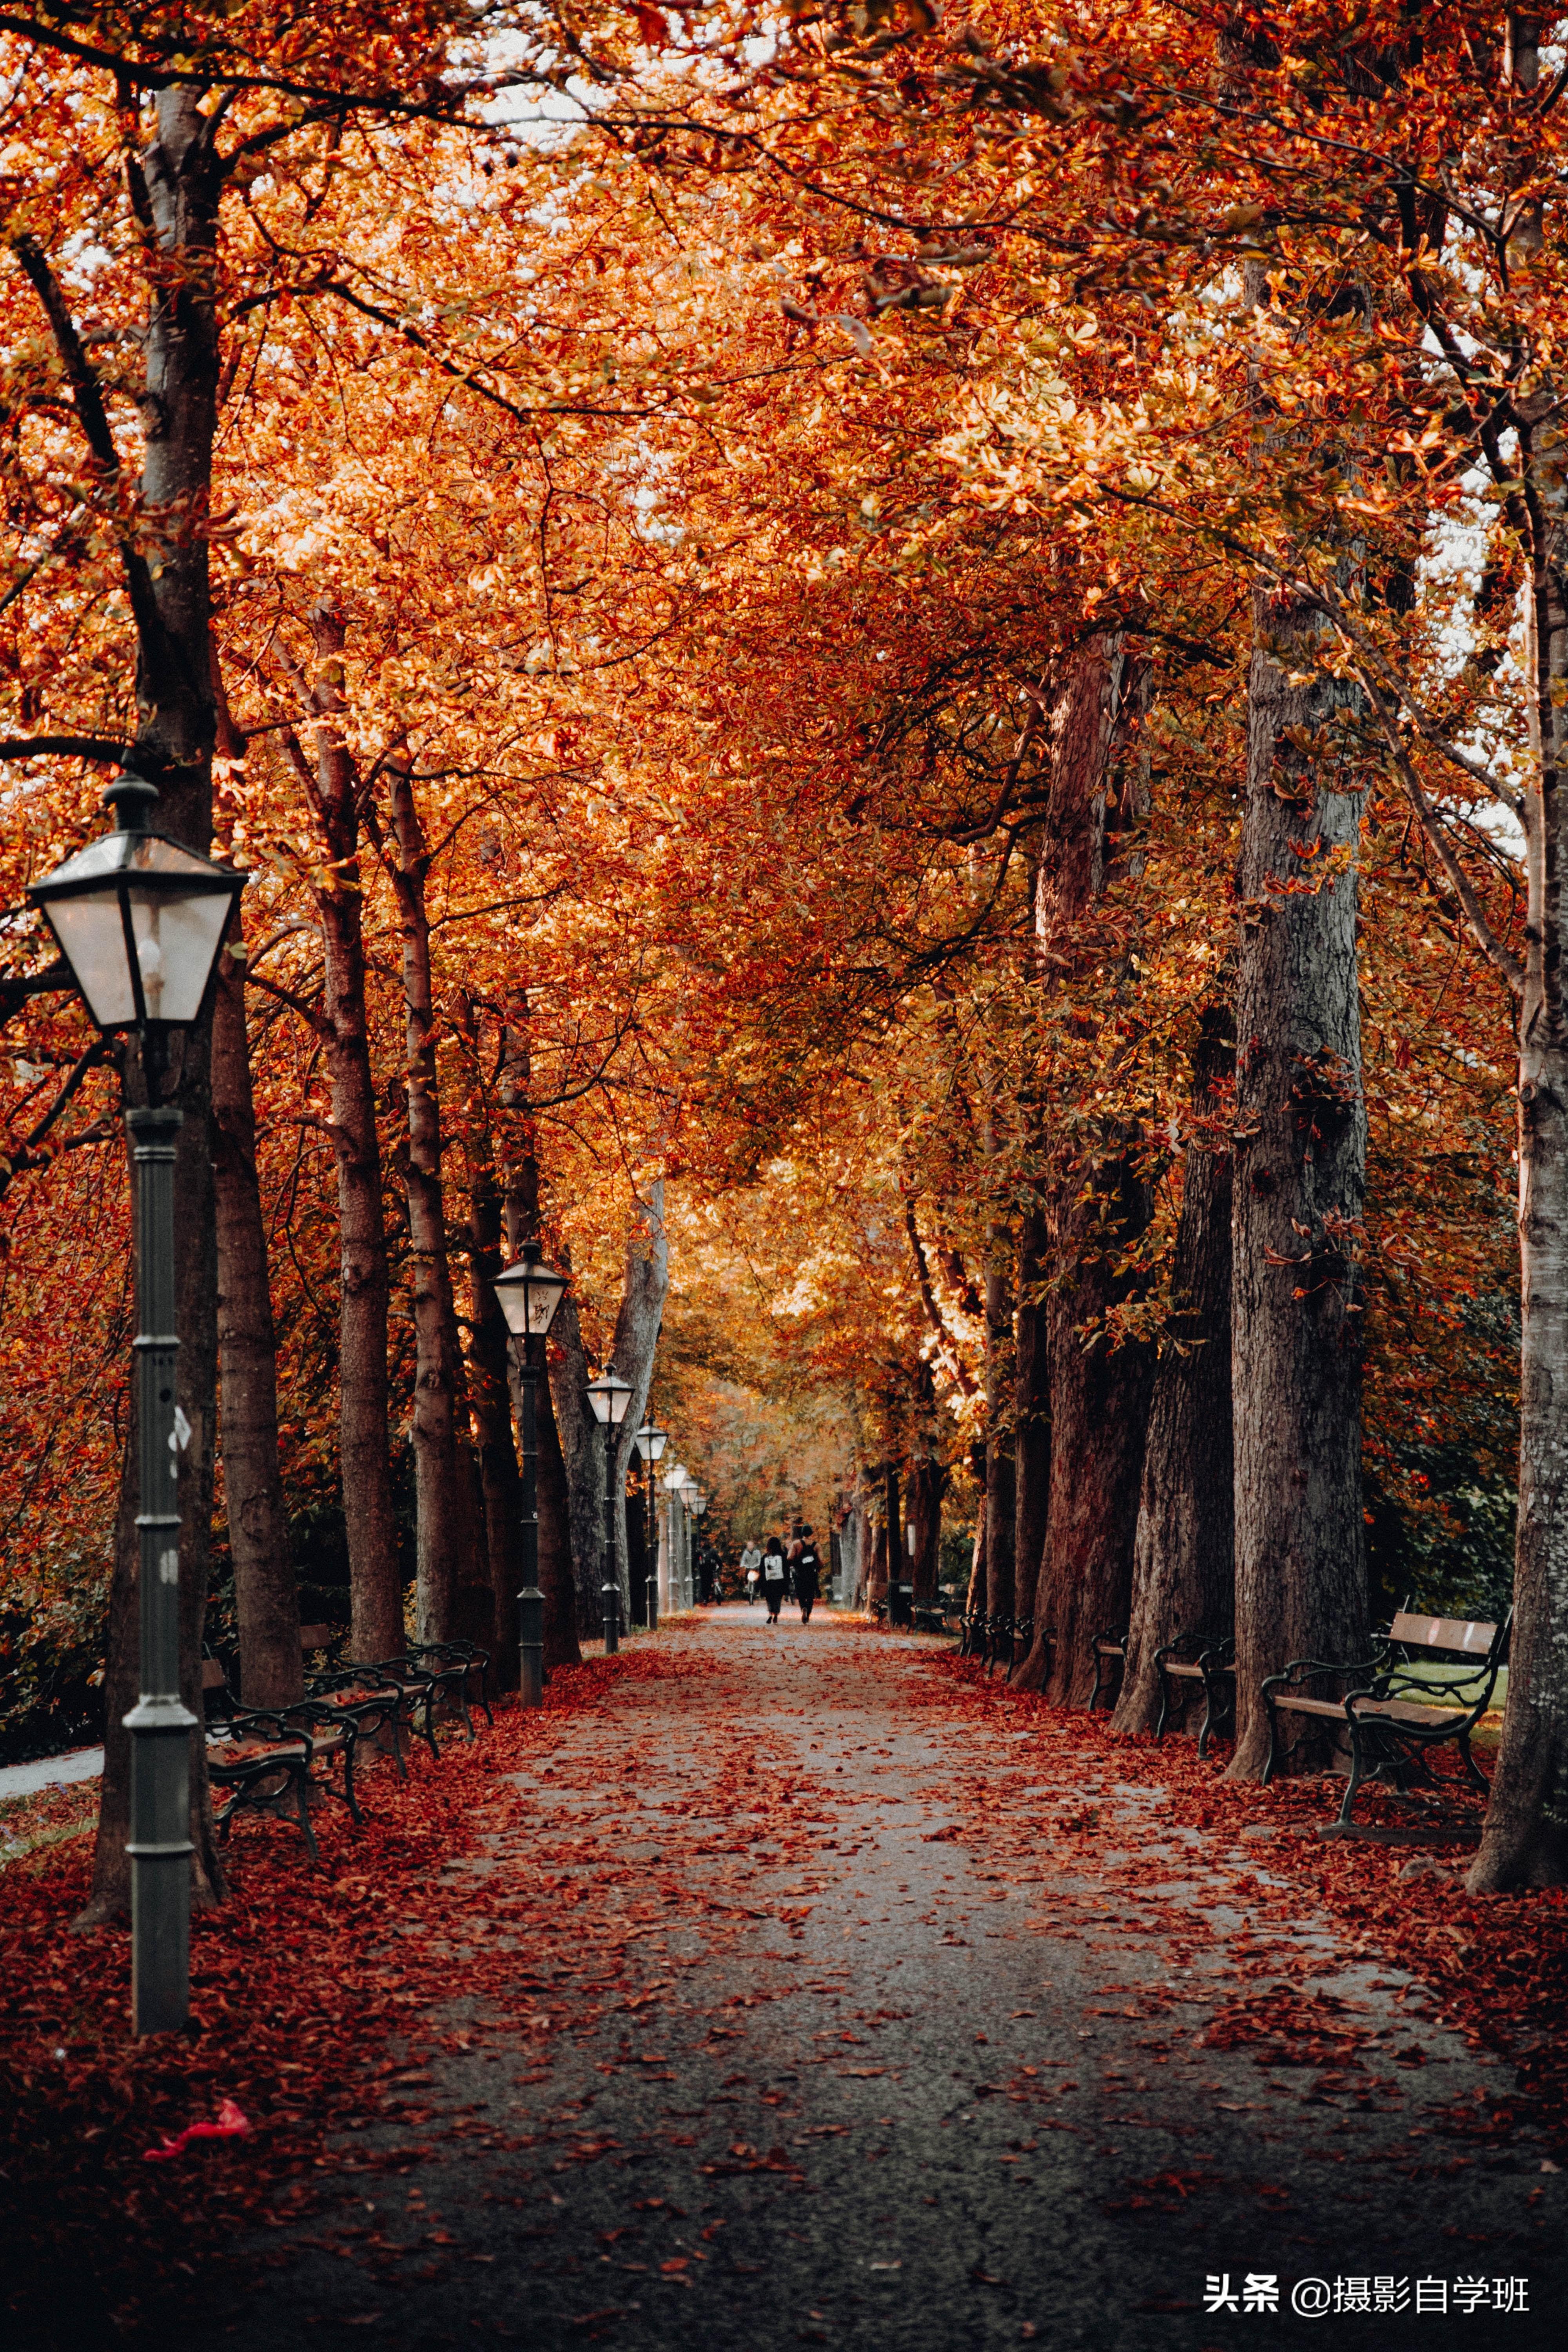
<point x="790" y="1986"/>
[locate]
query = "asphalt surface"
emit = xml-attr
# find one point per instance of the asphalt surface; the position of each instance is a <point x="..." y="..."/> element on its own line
<point x="815" y="2041"/>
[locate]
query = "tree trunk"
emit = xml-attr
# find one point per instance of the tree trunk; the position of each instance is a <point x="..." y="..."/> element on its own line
<point x="171" y="603"/>
<point x="583" y="1458"/>
<point x="897" y="1557"/>
<point x="556" y="1578"/>
<point x="443" y="1488"/>
<point x="974" y="1598"/>
<point x="553" y="1500"/>
<point x="1001" y="1478"/>
<point x="1184" y="1555"/>
<point x="364" y="1400"/>
<point x="266" y="1591"/>
<point x="1100" y="1411"/>
<point x="1032" y="1409"/>
<point x="925" y="1491"/>
<point x="1098" y="1395"/>
<point x="490" y="1398"/>
<point x="1301" y="1134"/>
<point x="637" y="1325"/>
<point x="877" y="1580"/>
<point x="1525" y="1842"/>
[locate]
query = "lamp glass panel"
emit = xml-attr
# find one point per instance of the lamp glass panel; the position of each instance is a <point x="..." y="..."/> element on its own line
<point x="177" y="940"/>
<point x="529" y="1294"/>
<point x="93" y="944"/>
<point x="178" y="903"/>
<point x="657" y="1440"/>
<point x="609" y="1395"/>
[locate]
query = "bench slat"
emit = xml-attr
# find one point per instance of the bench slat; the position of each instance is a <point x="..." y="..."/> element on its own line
<point x="1471" y="1636"/>
<point x="1402" y="1710"/>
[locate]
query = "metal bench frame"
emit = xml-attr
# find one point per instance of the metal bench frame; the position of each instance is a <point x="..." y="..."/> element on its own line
<point x="1390" y="1728"/>
<point x="270" y="1752"/>
<point x="1108" y="1646"/>
<point x="1191" y="1660"/>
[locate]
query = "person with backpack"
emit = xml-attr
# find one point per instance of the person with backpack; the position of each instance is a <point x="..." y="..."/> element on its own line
<point x="774" y="1578"/>
<point x="807" y="1575"/>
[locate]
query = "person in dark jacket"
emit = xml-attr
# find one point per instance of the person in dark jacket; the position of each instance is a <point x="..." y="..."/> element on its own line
<point x="807" y="1575"/>
<point x="773" y="1577"/>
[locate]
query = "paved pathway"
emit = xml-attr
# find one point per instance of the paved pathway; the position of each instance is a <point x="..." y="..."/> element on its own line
<point x="854" y="2061"/>
<point x="50" y="1772"/>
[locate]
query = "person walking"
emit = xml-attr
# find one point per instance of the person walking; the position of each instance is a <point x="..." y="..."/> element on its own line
<point x="751" y="1570"/>
<point x="807" y="1575"/>
<point x="774" y="1578"/>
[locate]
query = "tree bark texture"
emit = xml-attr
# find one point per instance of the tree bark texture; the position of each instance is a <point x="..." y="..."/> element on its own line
<point x="1032" y="1408"/>
<point x="556" y="1578"/>
<point x="1001" y="1461"/>
<point x="877" y="1576"/>
<point x="1096" y="1206"/>
<point x="974" y="1598"/>
<point x="1183" y="1553"/>
<point x="365" y="1402"/>
<point x="582" y="1446"/>
<point x="925" y="1485"/>
<point x="1525" y="1842"/>
<point x="178" y="183"/>
<point x="522" y="1209"/>
<point x="265" y="1590"/>
<point x="638" y="1325"/>
<point x="898" y="1554"/>
<point x="490" y="1397"/>
<point x="1300" y="1168"/>
<point x="445" y="1544"/>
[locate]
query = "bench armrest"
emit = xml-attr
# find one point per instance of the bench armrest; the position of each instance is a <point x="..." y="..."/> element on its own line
<point x="1304" y="1669"/>
<point x="269" y="1723"/>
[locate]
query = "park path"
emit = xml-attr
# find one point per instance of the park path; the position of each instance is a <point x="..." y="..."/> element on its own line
<point x="832" y="2024"/>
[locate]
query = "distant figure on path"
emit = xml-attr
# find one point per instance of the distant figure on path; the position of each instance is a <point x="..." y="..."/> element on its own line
<point x="807" y="1575"/>
<point x="751" y="1570"/>
<point x="774" y="1578"/>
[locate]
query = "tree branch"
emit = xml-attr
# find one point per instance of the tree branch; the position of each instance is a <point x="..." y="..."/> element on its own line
<point x="74" y="746"/>
<point x="87" y="395"/>
<point x="1486" y="938"/>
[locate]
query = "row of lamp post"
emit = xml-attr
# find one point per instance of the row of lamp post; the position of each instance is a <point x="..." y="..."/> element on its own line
<point x="139" y="920"/>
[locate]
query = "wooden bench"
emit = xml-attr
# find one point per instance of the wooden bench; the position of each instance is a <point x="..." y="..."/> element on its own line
<point x="1110" y="1663"/>
<point x="1395" y="1709"/>
<point x="263" y="1758"/>
<point x="372" y="1701"/>
<point x="1195" y="1662"/>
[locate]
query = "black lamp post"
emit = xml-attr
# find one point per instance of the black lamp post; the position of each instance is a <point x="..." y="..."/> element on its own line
<point x="140" y="921"/>
<point x="697" y="1501"/>
<point x="651" y="1442"/>
<point x="673" y="1482"/>
<point x="529" y="1294"/>
<point x="610" y="1397"/>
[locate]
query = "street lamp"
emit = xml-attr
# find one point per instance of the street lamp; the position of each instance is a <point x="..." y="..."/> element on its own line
<point x="651" y="1442"/>
<point x="139" y="920"/>
<point x="529" y="1294"/>
<point x="689" y="1490"/>
<point x="698" y="1505"/>
<point x="674" y="1480"/>
<point x="610" y="1397"/>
